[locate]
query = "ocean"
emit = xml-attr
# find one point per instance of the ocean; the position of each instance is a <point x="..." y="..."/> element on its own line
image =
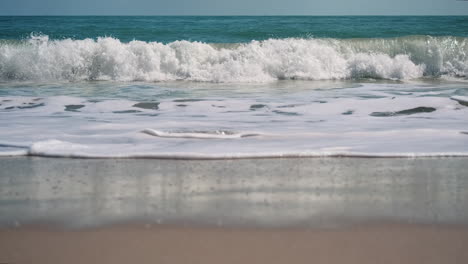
<point x="234" y="87"/>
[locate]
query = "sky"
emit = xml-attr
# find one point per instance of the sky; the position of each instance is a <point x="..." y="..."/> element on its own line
<point x="233" y="7"/>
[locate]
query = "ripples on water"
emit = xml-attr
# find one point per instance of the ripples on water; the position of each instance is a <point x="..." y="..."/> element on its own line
<point x="233" y="87"/>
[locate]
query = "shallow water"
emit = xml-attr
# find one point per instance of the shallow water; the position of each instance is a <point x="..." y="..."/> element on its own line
<point x="226" y="88"/>
<point x="312" y="192"/>
<point x="197" y="120"/>
<point x="233" y="87"/>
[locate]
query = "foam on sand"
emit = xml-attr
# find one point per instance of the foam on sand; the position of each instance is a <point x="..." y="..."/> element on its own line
<point x="217" y="134"/>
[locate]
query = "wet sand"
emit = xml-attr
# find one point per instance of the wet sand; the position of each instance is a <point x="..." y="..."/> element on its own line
<point x="365" y="244"/>
<point x="319" y="210"/>
<point x="308" y="192"/>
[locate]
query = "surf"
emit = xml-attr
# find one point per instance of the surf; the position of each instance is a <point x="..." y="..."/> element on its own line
<point x="39" y="58"/>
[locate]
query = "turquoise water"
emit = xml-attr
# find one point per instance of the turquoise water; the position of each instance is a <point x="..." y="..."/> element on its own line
<point x="233" y="87"/>
<point x="232" y="49"/>
<point x="232" y="29"/>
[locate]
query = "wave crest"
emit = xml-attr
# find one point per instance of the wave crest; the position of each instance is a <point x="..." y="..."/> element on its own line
<point x="41" y="59"/>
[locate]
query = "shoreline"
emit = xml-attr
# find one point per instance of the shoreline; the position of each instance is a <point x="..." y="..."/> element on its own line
<point x="300" y="210"/>
<point x="305" y="192"/>
<point x="241" y="156"/>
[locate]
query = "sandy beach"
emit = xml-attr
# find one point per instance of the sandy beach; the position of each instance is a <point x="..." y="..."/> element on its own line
<point x="218" y="132"/>
<point x="364" y="244"/>
<point x="330" y="210"/>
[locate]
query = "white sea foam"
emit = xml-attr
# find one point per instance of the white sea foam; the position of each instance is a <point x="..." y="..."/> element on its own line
<point x="41" y="59"/>
<point x="367" y="120"/>
<point x="217" y="134"/>
<point x="57" y="148"/>
<point x="461" y="99"/>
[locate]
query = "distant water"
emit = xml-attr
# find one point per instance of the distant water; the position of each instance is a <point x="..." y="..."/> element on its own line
<point x="231" y="29"/>
<point x="227" y="87"/>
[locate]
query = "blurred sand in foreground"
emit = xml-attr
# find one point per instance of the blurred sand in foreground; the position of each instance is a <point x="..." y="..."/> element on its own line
<point x="138" y="243"/>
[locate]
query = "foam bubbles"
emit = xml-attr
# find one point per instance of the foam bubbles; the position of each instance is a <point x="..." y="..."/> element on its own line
<point x="41" y="59"/>
<point x="382" y="120"/>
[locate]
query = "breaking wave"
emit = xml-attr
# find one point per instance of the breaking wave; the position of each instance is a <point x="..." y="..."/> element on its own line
<point x="41" y="59"/>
